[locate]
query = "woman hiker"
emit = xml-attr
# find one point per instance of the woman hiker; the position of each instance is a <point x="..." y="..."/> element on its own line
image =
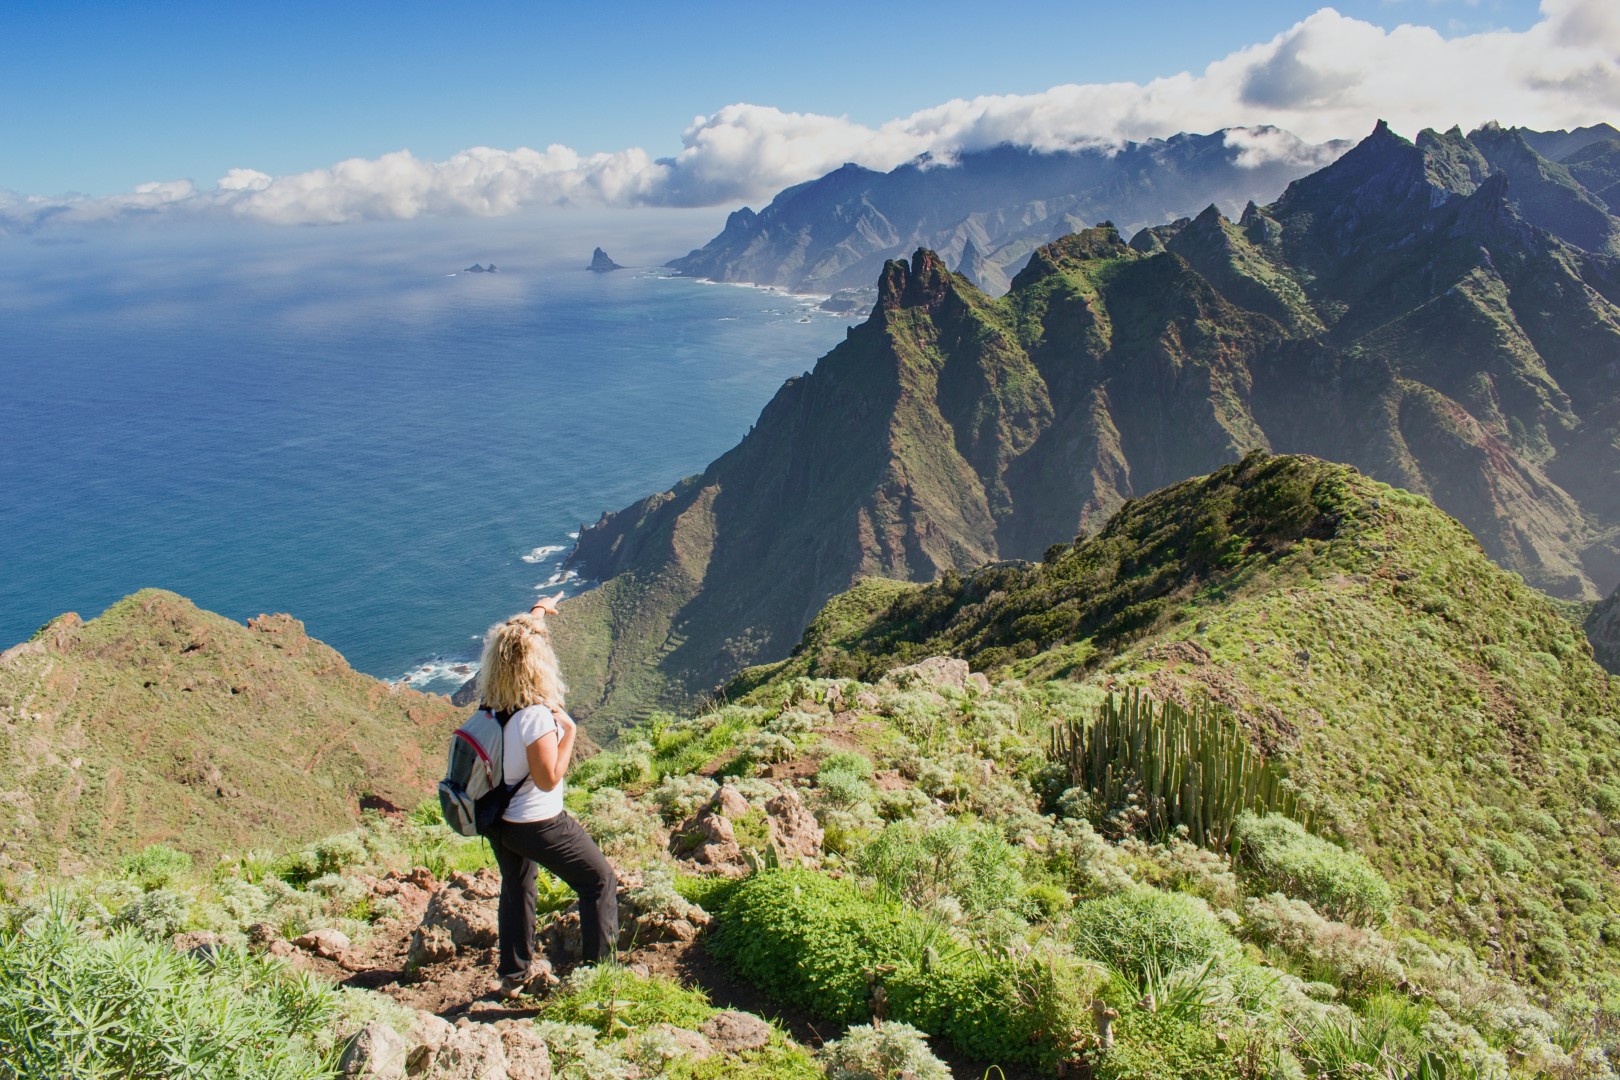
<point x="518" y="676"/>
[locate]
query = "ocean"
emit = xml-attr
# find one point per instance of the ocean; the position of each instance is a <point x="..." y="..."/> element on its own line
<point x="345" y="425"/>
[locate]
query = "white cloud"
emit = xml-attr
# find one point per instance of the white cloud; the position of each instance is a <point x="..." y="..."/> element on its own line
<point x="1327" y="77"/>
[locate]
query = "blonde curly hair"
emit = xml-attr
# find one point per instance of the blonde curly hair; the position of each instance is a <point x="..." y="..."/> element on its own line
<point x="519" y="668"/>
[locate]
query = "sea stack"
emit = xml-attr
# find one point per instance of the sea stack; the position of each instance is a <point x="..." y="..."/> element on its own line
<point x="601" y="263"/>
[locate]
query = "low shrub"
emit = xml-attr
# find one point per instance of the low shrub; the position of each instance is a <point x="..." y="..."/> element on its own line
<point x="1141" y="927"/>
<point x="614" y="1000"/>
<point x="76" y="1004"/>
<point x="810" y="941"/>
<point x="679" y="797"/>
<point x="1151" y="1046"/>
<point x="807" y="940"/>
<point x="868" y="1052"/>
<point x="973" y="863"/>
<point x="1278" y="855"/>
<point x="156" y="866"/>
<point x="157" y="915"/>
<point x="1358" y="959"/>
<point x="996" y="1006"/>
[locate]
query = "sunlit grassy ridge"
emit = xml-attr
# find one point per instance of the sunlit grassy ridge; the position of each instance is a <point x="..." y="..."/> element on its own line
<point x="1440" y="714"/>
<point x="157" y="721"/>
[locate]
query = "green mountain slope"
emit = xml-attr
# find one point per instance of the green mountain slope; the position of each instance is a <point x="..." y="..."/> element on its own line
<point x="1394" y="311"/>
<point x="160" y="722"/>
<point x="1441" y="716"/>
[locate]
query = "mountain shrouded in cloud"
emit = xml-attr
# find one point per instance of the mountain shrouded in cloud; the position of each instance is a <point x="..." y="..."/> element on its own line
<point x="1323" y="78"/>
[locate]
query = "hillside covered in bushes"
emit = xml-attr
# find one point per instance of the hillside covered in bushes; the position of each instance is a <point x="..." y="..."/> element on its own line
<point x="1275" y="776"/>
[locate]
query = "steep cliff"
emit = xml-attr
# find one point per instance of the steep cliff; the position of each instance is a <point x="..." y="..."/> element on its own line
<point x="1394" y="311"/>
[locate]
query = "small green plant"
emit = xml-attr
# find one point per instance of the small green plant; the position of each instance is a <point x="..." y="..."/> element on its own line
<point x="614" y="1000"/>
<point x="1131" y="930"/>
<point x="156" y="866"/>
<point x="1277" y="854"/>
<point x="881" y="1052"/>
<point x="75" y="1004"/>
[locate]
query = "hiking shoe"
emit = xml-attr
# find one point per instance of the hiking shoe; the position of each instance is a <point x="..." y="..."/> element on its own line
<point x="538" y="978"/>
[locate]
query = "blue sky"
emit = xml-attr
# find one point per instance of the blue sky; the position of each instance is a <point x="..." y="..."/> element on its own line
<point x="100" y="97"/>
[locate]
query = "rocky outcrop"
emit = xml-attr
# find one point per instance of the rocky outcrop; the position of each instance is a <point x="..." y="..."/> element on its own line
<point x="461" y="914"/>
<point x="601" y="264"/>
<point x="734" y="1032"/>
<point x="376" y="1052"/>
<point x="710" y="838"/>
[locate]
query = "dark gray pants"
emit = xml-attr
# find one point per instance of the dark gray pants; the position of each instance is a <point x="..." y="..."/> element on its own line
<point x="562" y="846"/>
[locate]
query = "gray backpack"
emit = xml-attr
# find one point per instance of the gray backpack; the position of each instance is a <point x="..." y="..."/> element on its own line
<point x="474" y="794"/>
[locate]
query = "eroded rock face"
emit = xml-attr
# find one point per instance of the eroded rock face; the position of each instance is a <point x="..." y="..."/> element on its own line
<point x="527" y="1056"/>
<point x="462" y="913"/>
<point x="427" y="1035"/>
<point x="472" y="1052"/>
<point x="794" y="830"/>
<point x="710" y="838"/>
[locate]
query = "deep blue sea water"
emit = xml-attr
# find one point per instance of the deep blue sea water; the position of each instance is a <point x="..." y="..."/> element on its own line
<point x="341" y="425"/>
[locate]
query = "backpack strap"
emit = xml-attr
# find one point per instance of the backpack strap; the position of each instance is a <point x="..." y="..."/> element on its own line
<point x="503" y="721"/>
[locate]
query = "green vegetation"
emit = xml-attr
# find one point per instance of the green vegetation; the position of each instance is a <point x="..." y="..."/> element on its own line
<point x="1188" y="770"/>
<point x="1131" y="930"/>
<point x="160" y="723"/>
<point x="1277" y="853"/>
<point x="1436" y="716"/>
<point x="120" y="1005"/>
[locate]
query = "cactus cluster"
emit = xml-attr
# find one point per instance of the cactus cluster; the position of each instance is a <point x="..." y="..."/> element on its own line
<point x="1190" y="768"/>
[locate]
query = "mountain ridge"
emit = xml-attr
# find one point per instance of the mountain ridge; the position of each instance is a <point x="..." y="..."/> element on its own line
<point x="987" y="210"/>
<point x="1388" y="311"/>
<point x="159" y="722"/>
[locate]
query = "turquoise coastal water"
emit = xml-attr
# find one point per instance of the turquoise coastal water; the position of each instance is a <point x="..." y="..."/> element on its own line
<point x="350" y="428"/>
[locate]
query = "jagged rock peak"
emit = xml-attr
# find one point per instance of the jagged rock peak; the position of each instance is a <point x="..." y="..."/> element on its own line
<point x="921" y="283"/>
<point x="601" y="263"/>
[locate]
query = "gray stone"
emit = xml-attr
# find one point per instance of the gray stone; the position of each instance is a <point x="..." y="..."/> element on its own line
<point x="733" y="1032"/>
<point x="472" y="1052"/>
<point x="327" y="943"/>
<point x="376" y="1052"/>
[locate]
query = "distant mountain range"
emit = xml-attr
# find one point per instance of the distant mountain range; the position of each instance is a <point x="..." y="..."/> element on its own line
<point x="1444" y="315"/>
<point x="986" y="211"/>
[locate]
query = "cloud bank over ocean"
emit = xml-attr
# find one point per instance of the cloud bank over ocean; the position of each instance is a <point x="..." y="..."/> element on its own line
<point x="1324" y="78"/>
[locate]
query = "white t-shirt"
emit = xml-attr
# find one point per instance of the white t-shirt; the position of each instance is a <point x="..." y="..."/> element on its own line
<point x="529" y="803"/>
